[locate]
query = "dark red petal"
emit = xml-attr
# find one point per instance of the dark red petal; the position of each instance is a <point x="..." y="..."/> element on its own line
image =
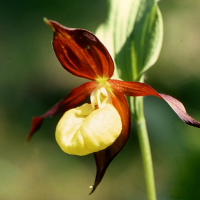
<point x="142" y="89"/>
<point x="133" y="88"/>
<point x="104" y="157"/>
<point x="80" y="52"/>
<point x="76" y="96"/>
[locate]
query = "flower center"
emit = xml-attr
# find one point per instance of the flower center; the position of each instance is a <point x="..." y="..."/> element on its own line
<point x="90" y="127"/>
<point x="99" y="98"/>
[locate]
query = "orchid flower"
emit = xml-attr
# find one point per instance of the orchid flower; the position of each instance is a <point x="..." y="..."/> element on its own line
<point x="102" y="125"/>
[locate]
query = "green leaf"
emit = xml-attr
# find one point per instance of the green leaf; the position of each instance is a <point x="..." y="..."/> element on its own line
<point x="133" y="34"/>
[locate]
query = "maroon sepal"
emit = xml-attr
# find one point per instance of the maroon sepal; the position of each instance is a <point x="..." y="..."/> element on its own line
<point x="81" y="53"/>
<point x="104" y="157"/>
<point x="142" y="89"/>
<point x="76" y="96"/>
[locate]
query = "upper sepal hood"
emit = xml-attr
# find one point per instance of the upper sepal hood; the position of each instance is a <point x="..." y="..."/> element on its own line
<point x="81" y="53"/>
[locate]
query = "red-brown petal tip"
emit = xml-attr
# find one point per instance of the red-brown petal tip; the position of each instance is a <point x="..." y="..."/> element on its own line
<point x="103" y="158"/>
<point x="48" y="22"/>
<point x="180" y="110"/>
<point x="36" y="123"/>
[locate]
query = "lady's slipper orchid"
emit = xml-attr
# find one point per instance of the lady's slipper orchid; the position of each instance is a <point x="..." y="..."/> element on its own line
<point x="101" y="126"/>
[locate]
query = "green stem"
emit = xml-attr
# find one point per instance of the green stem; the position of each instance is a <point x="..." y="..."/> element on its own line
<point x="137" y="104"/>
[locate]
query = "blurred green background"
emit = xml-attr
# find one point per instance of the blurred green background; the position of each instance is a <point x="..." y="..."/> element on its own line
<point x="32" y="80"/>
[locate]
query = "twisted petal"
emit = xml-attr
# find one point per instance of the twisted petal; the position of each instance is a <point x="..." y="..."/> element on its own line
<point x="76" y="96"/>
<point x="80" y="52"/>
<point x="142" y="89"/>
<point x="179" y="109"/>
<point x="104" y="157"/>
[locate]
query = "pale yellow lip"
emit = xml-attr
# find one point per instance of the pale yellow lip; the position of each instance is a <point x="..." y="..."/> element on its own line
<point x="90" y="127"/>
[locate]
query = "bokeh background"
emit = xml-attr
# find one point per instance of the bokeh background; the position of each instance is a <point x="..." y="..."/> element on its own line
<point x="32" y="80"/>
